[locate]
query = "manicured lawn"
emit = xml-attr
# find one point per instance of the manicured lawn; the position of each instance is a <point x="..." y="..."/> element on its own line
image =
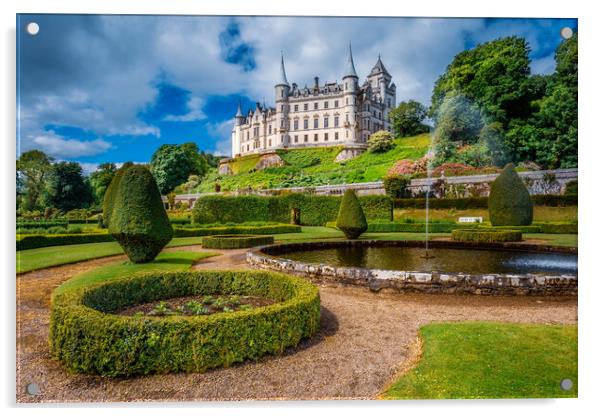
<point x="564" y="240"/>
<point x="40" y="258"/>
<point x="166" y="261"/>
<point x="491" y="360"/>
<point x="543" y="214"/>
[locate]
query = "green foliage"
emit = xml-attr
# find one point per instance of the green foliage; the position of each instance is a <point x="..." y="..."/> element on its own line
<point x="138" y="220"/>
<point x="409" y="227"/>
<point x="572" y="188"/>
<point x="509" y="200"/>
<point x="351" y="219"/>
<point x="236" y="229"/>
<point x="33" y="168"/>
<point x="481" y="202"/>
<point x="396" y="185"/>
<point x="226" y="241"/>
<point x="172" y="164"/>
<point x="315" y="210"/>
<point x="111" y="191"/>
<point x="408" y="118"/>
<point x="66" y="187"/>
<point x="87" y="337"/>
<point x="27" y="242"/>
<point x="100" y="180"/>
<point x="380" y="142"/>
<point x="42" y="223"/>
<point x="487" y="236"/>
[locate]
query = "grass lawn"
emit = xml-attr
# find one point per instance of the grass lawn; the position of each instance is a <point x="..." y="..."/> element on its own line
<point x="491" y="360"/>
<point x="166" y="261"/>
<point x="40" y="258"/>
<point x="543" y="214"/>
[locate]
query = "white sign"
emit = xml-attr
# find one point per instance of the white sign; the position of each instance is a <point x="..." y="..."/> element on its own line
<point x="470" y="219"/>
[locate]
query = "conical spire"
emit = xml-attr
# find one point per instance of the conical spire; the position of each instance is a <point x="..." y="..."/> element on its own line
<point x="350" y="67"/>
<point x="283" y="80"/>
<point x="238" y="110"/>
<point x="379" y="67"/>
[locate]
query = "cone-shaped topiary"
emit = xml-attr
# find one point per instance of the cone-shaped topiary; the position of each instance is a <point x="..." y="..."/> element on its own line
<point x="138" y="219"/>
<point x="351" y="219"/>
<point x="109" y="198"/>
<point x="509" y="200"/>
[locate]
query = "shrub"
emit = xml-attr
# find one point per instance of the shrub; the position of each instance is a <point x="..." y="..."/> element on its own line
<point x="42" y="224"/>
<point x="351" y="219"/>
<point x="533" y="229"/>
<point x="558" y="227"/>
<point x="109" y="198"/>
<point x="509" y="200"/>
<point x="138" y="220"/>
<point x="396" y="186"/>
<point x="403" y="167"/>
<point x="88" y="338"/>
<point x="380" y="142"/>
<point x="487" y="236"/>
<point x="453" y="169"/>
<point x="481" y="202"/>
<point x="236" y="229"/>
<point x="227" y="241"/>
<point x="314" y="210"/>
<point x="74" y="229"/>
<point x="27" y="242"/>
<point x="571" y="187"/>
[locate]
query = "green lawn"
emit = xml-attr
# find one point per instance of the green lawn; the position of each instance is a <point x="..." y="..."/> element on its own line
<point x="491" y="360"/>
<point x="165" y="261"/>
<point x="40" y="258"/>
<point x="543" y="214"/>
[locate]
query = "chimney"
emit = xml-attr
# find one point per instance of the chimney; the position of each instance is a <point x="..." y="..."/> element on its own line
<point x="316" y="82"/>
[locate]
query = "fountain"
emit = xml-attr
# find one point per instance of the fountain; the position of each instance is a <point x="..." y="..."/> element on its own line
<point x="429" y="168"/>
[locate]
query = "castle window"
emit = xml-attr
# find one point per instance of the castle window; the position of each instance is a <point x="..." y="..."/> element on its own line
<point x="347" y="117"/>
<point x="316" y="123"/>
<point x="336" y="135"/>
<point x="325" y="104"/>
<point x="305" y="124"/>
<point x="296" y="124"/>
<point x="270" y="128"/>
<point x="315" y="137"/>
<point x="305" y="107"/>
<point x="281" y="139"/>
<point x="305" y="138"/>
<point x="270" y="142"/>
<point x="388" y="103"/>
<point x="296" y="138"/>
<point x="247" y="137"/>
<point x="325" y="137"/>
<point x="336" y="103"/>
<point x="336" y="121"/>
<point x="296" y="108"/>
<point x="282" y="123"/>
<point x="347" y="133"/>
<point x="315" y="106"/>
<point x="345" y="86"/>
<point x="325" y="122"/>
<point x="346" y="101"/>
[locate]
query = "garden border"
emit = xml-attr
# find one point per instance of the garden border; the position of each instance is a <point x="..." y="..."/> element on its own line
<point x="233" y="241"/>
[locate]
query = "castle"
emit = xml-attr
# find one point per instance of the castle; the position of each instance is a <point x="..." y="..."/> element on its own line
<point x="328" y="115"/>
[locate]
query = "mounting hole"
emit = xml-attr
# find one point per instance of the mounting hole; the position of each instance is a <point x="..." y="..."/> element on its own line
<point x="33" y="389"/>
<point x="566" y="32"/>
<point x="33" y="28"/>
<point x="566" y="384"/>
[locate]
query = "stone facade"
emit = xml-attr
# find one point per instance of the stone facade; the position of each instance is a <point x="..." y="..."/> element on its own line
<point x="334" y="113"/>
<point x="416" y="281"/>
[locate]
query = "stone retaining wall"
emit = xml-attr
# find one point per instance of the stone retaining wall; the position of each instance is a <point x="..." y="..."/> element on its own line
<point x="415" y="281"/>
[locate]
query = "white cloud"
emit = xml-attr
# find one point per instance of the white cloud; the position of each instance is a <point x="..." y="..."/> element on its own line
<point x="195" y="113"/>
<point x="223" y="130"/>
<point x="60" y="147"/>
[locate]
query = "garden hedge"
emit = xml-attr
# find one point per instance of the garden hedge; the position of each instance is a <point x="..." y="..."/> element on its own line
<point x="27" y="242"/>
<point x="351" y="219"/>
<point x="487" y="236"/>
<point x="315" y="210"/>
<point x="242" y="229"/>
<point x="480" y="202"/>
<point x="236" y="241"/>
<point x="509" y="200"/>
<point x="42" y="224"/>
<point x="87" y="337"/>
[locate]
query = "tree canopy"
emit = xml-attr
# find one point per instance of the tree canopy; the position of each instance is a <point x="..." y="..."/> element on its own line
<point x="100" y="180"/>
<point x="407" y="119"/>
<point x="33" y="168"/>
<point x="172" y="164"/>
<point x="67" y="188"/>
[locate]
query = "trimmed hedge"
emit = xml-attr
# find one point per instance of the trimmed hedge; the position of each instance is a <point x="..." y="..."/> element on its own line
<point x="42" y="224"/>
<point x="265" y="229"/>
<point x="417" y="227"/>
<point x="236" y="241"/>
<point x="315" y="210"/>
<point x="509" y="200"/>
<point x="87" y="337"/>
<point x="27" y="242"/>
<point x="558" y="227"/>
<point x="351" y="219"/>
<point x="480" y="202"/>
<point x="487" y="236"/>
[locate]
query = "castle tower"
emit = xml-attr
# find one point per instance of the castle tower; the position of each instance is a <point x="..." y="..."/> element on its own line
<point x="350" y="90"/>
<point x="380" y="81"/>
<point x="282" y="90"/>
<point x="239" y="120"/>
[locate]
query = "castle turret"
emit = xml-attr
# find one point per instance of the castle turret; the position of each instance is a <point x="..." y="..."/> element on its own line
<point x="282" y="106"/>
<point x="350" y="89"/>
<point x="239" y="120"/>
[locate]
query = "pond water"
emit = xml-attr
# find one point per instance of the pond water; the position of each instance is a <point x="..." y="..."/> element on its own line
<point x="450" y="260"/>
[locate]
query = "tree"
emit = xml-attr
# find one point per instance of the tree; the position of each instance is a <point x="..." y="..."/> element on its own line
<point x="407" y="119"/>
<point x="100" y="180"/>
<point x="380" y="142"/>
<point x="351" y="219"/>
<point x="33" y="168"/>
<point x="67" y="189"/>
<point x="509" y="201"/>
<point x="171" y="165"/>
<point x="138" y="220"/>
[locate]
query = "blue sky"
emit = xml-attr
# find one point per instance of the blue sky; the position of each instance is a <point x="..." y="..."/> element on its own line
<point x="97" y="89"/>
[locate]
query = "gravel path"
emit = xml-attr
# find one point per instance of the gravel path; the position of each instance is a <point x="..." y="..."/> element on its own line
<point x="365" y="339"/>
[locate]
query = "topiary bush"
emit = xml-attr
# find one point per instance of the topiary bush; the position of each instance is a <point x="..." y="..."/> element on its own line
<point x="487" y="236"/>
<point x="236" y="241"/>
<point x="88" y="337"/>
<point x="351" y="219"/>
<point x="509" y="201"/>
<point x="109" y="198"/>
<point x="138" y="220"/>
<point x="380" y="142"/>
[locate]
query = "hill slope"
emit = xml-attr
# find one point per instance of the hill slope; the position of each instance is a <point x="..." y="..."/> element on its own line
<point x="316" y="166"/>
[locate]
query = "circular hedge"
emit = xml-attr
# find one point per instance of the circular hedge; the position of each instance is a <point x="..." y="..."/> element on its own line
<point x="227" y="241"/>
<point x="487" y="236"/>
<point x="88" y="337"/>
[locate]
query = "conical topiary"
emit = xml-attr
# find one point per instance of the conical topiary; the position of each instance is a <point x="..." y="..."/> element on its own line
<point x="351" y="219"/>
<point x="509" y="200"/>
<point x="109" y="198"/>
<point x="138" y="219"/>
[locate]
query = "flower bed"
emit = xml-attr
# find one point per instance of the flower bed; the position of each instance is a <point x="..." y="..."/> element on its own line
<point x="88" y="336"/>
<point x="487" y="236"/>
<point x="236" y="241"/>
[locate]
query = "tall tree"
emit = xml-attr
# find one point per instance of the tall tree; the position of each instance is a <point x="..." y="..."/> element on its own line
<point x="408" y="118"/>
<point x="196" y="159"/>
<point x="171" y="165"/>
<point x="67" y="188"/>
<point x="32" y="169"/>
<point x="100" y="180"/>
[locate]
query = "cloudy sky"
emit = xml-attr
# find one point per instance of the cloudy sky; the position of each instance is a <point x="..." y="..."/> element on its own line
<point x="97" y="89"/>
